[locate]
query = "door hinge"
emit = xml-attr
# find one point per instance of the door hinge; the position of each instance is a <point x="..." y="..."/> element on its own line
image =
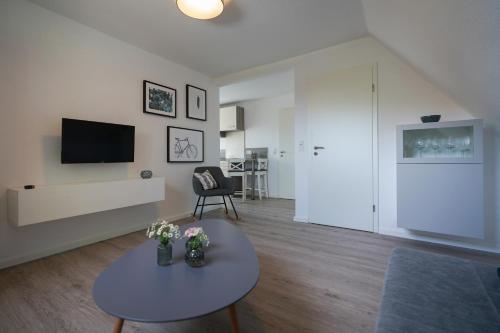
<point x="373" y="208"/>
<point x="373" y="87"/>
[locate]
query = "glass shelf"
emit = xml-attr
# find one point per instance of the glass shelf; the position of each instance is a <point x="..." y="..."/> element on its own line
<point x="451" y="142"/>
<point x="446" y="142"/>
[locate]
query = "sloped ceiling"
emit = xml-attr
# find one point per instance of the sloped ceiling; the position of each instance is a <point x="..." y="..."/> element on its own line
<point x="454" y="43"/>
<point x="247" y="34"/>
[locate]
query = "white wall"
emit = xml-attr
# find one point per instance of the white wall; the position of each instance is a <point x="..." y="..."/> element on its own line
<point x="262" y="131"/>
<point x="403" y="96"/>
<point x="453" y="43"/>
<point x="52" y="67"/>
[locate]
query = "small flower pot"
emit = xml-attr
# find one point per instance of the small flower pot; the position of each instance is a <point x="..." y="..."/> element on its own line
<point x="164" y="254"/>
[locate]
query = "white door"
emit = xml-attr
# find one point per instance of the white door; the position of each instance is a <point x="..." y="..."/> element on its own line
<point x="341" y="173"/>
<point x="286" y="169"/>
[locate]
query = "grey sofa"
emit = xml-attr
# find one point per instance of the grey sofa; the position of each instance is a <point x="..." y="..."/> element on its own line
<point x="425" y="292"/>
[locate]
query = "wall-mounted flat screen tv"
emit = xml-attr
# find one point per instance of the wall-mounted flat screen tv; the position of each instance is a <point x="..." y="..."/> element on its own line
<point x="94" y="142"/>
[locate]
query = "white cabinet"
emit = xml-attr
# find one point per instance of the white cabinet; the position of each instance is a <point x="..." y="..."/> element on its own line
<point x="231" y="119"/>
<point x="53" y="202"/>
<point x="440" y="178"/>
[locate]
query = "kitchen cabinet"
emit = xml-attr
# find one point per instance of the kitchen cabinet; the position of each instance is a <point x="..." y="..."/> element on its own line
<point x="231" y="119"/>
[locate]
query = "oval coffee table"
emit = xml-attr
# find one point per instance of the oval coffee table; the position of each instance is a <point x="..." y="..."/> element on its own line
<point x="135" y="288"/>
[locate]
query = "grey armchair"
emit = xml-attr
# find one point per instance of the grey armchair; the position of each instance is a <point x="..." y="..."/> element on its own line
<point x="225" y="188"/>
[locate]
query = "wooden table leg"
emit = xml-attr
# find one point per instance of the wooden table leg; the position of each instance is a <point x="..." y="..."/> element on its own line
<point x="118" y="325"/>
<point x="234" y="318"/>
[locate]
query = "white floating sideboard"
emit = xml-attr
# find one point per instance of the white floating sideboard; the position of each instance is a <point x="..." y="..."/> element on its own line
<point x="52" y="202"/>
<point x="440" y="178"/>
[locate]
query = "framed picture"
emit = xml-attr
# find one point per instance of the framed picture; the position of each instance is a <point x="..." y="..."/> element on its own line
<point x="185" y="145"/>
<point x="196" y="103"/>
<point x="160" y="100"/>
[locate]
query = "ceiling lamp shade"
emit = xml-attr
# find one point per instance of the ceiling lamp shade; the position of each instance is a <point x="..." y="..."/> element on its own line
<point x="201" y="9"/>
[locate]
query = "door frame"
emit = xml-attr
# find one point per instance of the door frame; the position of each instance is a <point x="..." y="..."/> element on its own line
<point x="293" y="110"/>
<point x="375" y="156"/>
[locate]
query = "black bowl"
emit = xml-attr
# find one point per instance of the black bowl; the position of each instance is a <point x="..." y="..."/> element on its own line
<point x="431" y="119"/>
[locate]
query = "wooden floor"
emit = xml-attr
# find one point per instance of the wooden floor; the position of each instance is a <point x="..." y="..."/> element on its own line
<point x="313" y="279"/>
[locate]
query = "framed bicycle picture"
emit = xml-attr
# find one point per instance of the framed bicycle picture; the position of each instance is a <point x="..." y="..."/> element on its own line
<point x="185" y="145"/>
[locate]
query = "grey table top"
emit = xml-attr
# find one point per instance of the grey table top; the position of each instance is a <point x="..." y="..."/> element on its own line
<point x="135" y="288"/>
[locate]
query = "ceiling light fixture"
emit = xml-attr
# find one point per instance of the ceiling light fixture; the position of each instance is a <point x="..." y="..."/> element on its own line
<point x="201" y="9"/>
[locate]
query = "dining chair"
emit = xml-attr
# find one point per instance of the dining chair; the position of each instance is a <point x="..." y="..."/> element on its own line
<point x="236" y="168"/>
<point x="261" y="177"/>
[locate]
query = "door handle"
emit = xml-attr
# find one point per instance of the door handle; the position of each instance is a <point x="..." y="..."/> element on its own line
<point x="318" y="147"/>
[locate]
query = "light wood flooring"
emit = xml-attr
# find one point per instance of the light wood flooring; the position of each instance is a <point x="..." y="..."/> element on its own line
<point x="313" y="279"/>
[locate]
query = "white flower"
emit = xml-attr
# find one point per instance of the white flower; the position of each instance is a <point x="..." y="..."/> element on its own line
<point x="162" y="228"/>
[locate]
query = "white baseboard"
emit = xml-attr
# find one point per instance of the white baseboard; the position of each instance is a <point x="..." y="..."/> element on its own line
<point x="16" y="260"/>
<point x="401" y="233"/>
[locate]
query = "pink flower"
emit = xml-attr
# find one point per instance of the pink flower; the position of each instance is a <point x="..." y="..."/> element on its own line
<point x="192" y="232"/>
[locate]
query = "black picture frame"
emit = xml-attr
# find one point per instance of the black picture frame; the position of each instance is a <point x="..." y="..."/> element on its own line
<point x="190" y="114"/>
<point x="146" y="99"/>
<point x="176" y="146"/>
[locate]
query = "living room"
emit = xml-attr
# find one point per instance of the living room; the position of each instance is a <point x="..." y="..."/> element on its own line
<point x="360" y="228"/>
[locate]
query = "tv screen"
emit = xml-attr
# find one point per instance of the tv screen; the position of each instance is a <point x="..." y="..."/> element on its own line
<point x="93" y="142"/>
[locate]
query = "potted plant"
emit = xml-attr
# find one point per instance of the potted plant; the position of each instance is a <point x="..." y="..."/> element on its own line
<point x="166" y="233"/>
<point x="196" y="239"/>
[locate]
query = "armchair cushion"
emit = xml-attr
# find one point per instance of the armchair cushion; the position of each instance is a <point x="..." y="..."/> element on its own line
<point x="225" y="187"/>
<point x="207" y="181"/>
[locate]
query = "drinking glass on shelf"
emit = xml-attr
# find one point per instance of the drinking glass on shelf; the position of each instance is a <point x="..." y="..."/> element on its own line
<point x="435" y="146"/>
<point x="451" y="145"/>
<point x="465" y="146"/>
<point x="420" y="145"/>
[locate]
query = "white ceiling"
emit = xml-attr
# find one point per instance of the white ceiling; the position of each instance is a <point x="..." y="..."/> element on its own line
<point x="247" y="34"/>
<point x="454" y="43"/>
<point x="262" y="87"/>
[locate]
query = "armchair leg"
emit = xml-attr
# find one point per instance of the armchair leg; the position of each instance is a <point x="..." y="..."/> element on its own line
<point x="223" y="198"/>
<point x="231" y="201"/>
<point x="202" y="206"/>
<point x="197" y="204"/>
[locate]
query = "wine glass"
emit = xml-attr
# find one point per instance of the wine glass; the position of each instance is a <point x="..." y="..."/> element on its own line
<point x="435" y="146"/>
<point x="466" y="143"/>
<point x="450" y="145"/>
<point x="420" y="145"/>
